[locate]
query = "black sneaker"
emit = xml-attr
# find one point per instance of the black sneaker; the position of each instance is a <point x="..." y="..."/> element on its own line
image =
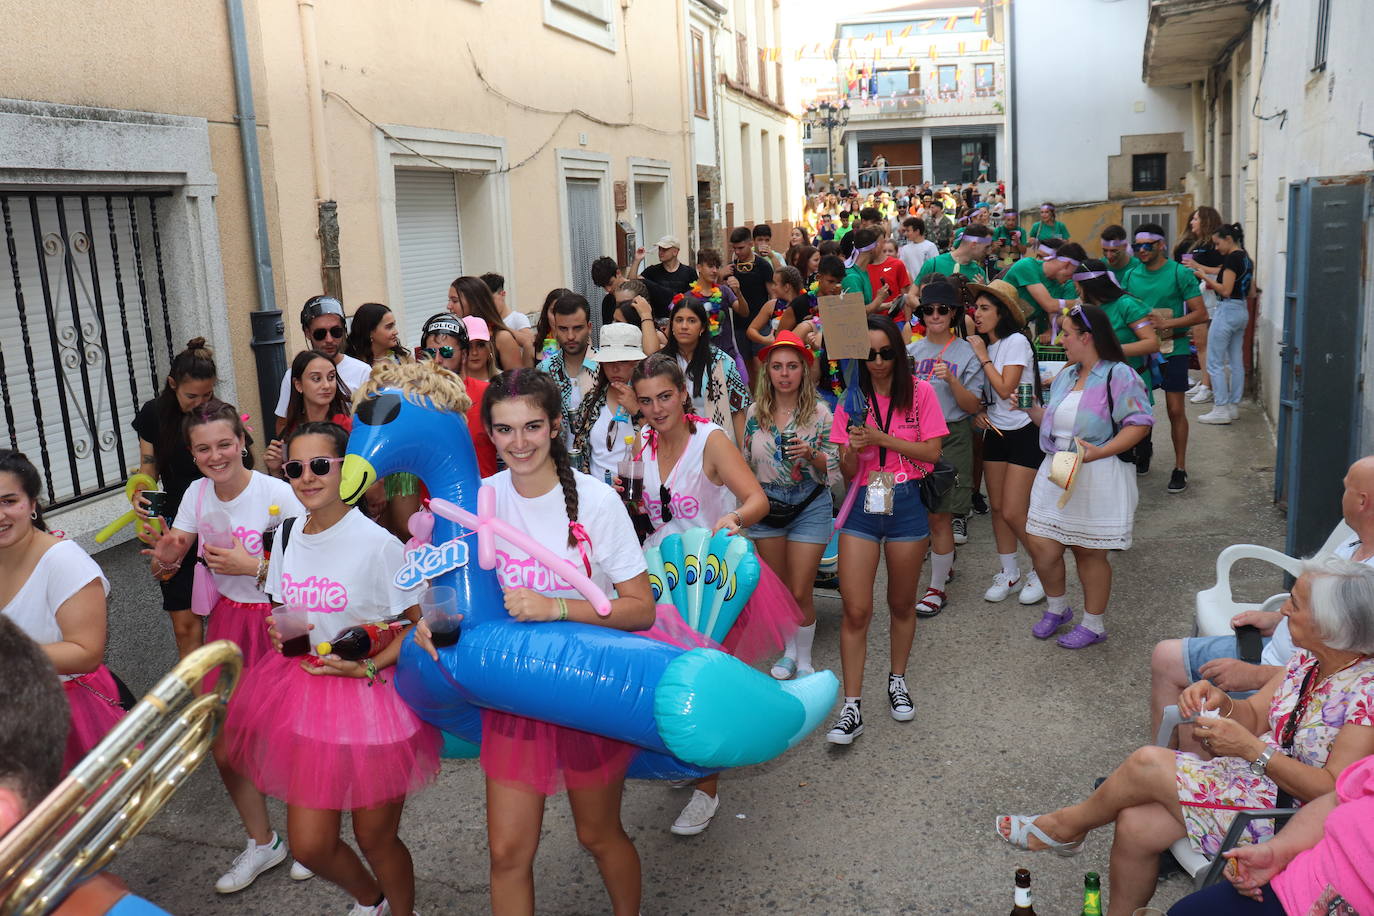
<point x="980" y="504"/>
<point x="849" y="726"/>
<point x="1178" y="481"/>
<point x="900" y="698"/>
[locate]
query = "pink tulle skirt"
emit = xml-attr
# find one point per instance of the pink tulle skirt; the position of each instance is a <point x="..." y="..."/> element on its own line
<point x="545" y="758"/>
<point x="94" y="701"/>
<point x="245" y="625"/>
<point x="327" y="742"/>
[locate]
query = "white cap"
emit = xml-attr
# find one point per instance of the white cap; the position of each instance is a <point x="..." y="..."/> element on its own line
<point x="669" y="241"/>
<point x="620" y="343"/>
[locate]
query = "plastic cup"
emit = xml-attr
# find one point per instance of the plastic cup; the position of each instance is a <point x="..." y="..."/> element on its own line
<point x="293" y="627"/>
<point x="215" y="529"/>
<point x="439" y="610"/>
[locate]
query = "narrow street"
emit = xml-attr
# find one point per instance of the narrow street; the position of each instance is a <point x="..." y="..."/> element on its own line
<point x="900" y="822"/>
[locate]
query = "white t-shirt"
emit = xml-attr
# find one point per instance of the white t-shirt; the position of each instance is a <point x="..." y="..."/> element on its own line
<point x="351" y="371"/>
<point x="615" y="552"/>
<point x="62" y="571"/>
<point x="517" y="321"/>
<point x="914" y="254"/>
<point x="1009" y="351"/>
<point x="1281" y="647"/>
<point x="248" y="518"/>
<point x="343" y="576"/>
<point x="603" y="459"/>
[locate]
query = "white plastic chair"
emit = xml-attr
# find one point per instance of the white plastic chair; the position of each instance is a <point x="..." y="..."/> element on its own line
<point x="1216" y="605"/>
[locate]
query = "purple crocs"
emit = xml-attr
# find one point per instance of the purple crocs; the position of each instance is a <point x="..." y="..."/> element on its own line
<point x="1080" y="637"/>
<point x="1049" y="622"/>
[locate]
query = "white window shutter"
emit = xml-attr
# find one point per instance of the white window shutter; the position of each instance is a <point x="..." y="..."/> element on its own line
<point x="430" y="248"/>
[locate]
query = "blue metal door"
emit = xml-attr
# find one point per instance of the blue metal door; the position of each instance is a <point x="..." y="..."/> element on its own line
<point x="1323" y="337"/>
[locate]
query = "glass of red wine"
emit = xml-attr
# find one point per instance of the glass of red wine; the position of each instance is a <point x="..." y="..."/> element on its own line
<point x="439" y="608"/>
<point x="293" y="626"/>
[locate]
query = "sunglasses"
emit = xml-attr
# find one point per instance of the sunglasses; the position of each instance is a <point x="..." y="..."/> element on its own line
<point x="886" y="353"/>
<point x="321" y="333"/>
<point x="1144" y="246"/>
<point x="665" y="500"/>
<point x="932" y="310"/>
<point x="318" y="466"/>
<point x="431" y="352"/>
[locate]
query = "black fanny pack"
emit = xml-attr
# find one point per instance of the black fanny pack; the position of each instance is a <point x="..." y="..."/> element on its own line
<point x="781" y="514"/>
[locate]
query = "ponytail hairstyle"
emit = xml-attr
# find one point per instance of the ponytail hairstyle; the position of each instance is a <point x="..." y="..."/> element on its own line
<point x="1231" y="231"/>
<point x="18" y="464"/>
<point x="213" y="411"/>
<point x="664" y="365"/>
<point x="195" y="362"/>
<point x="542" y="392"/>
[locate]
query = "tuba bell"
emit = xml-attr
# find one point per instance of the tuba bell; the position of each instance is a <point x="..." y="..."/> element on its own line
<point x="116" y="789"/>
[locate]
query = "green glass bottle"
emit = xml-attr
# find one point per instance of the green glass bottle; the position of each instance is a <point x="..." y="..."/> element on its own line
<point x="1092" y="894"/>
<point x="1023" y="905"/>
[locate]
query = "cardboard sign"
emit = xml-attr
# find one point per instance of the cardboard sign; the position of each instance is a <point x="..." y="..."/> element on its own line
<point x="844" y="324"/>
<point x="430" y="560"/>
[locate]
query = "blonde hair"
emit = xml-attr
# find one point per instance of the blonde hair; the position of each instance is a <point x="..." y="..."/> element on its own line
<point x="417" y="381"/>
<point x="765" y="396"/>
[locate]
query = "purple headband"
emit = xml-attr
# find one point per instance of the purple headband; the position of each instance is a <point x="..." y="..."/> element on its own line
<point x="1094" y="274"/>
<point x="1114" y="243"/>
<point x="1066" y="259"/>
<point x="1047" y="251"/>
<point x="1148" y="237"/>
<point x="1045" y="208"/>
<point x="854" y="258"/>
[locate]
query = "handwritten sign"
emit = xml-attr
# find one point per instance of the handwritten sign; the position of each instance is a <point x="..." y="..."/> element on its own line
<point x="845" y="326"/>
<point x="430" y="560"/>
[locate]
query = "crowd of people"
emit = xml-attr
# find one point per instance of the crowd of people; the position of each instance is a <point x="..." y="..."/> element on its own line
<point x="1008" y="374"/>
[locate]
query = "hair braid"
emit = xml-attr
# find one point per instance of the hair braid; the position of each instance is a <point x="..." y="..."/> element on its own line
<point x="559" y="452"/>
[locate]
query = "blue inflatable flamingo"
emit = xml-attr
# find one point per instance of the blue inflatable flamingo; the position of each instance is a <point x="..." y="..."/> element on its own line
<point x="693" y="712"/>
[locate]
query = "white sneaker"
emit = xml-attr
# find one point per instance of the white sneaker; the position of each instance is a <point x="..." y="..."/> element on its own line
<point x="1220" y="415"/>
<point x="696" y="816"/>
<point x="253" y="861"/>
<point x="1202" y="395"/>
<point x="1193" y="390"/>
<point x="381" y="909"/>
<point x="1235" y="411"/>
<point x="1001" y="587"/>
<point x="1033" y="591"/>
<point x="299" y="872"/>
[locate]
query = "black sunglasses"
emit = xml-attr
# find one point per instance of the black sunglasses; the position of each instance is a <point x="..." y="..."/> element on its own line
<point x="318" y="466"/>
<point x="933" y="310"/>
<point x="1144" y="246"/>
<point x="886" y="353"/>
<point x="335" y="332"/>
<point x="429" y="352"/>
<point x="665" y="499"/>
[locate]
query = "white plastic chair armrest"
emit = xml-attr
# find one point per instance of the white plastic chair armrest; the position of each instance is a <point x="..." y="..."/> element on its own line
<point x="1171" y="720"/>
<point x="1274" y="603"/>
<point x="1237" y="552"/>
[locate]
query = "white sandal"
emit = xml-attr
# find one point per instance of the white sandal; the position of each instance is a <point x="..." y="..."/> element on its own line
<point x="1021" y="828"/>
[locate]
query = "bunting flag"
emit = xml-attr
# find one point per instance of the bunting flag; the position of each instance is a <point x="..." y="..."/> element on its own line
<point x="906" y="32"/>
<point x="889" y="38"/>
<point x="985" y="45"/>
<point x="950" y="23"/>
<point x="961" y="48"/>
<point x="978" y="16"/>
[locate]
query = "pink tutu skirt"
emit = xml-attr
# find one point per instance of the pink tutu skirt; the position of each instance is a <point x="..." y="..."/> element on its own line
<point x="94" y="701"/>
<point x="326" y="742"/>
<point x="245" y="625"/>
<point x="770" y="618"/>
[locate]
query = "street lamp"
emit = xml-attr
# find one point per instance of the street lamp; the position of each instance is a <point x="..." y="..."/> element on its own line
<point x="829" y="114"/>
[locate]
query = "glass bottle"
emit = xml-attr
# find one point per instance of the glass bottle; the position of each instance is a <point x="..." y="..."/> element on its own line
<point x="1022" y="905"/>
<point x="1092" y="894"/>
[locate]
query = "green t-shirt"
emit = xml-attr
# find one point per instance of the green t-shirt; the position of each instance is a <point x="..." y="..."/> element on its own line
<point x="856" y="281"/>
<point x="1120" y="275"/>
<point x="1041" y="231"/>
<point x="841" y="233"/>
<point x="1027" y="272"/>
<point x="1169" y="286"/>
<point x="1123" y="313"/>
<point x="946" y="265"/>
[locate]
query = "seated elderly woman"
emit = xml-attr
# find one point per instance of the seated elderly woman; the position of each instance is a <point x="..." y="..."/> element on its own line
<point x="1290" y="740"/>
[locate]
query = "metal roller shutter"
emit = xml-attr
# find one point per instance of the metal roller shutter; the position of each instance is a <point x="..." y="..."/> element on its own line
<point x="431" y="251"/>
<point x="585" y="243"/>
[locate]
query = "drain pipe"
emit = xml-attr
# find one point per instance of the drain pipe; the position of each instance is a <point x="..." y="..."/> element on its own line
<point x="269" y="344"/>
<point x="1009" y="49"/>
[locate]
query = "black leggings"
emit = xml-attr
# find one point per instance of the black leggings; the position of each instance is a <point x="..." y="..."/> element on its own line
<point x="1221" y="899"/>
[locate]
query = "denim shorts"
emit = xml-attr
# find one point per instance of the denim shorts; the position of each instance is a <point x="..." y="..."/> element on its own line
<point x="1199" y="650"/>
<point x="813" y="525"/>
<point x="908" y="521"/>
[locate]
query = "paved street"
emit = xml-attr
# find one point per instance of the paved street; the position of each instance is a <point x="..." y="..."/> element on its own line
<point x="901" y="822"/>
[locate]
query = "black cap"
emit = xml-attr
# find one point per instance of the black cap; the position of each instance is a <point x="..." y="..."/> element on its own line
<point x="445" y="323"/>
<point x="939" y="293"/>
<point x="316" y="306"/>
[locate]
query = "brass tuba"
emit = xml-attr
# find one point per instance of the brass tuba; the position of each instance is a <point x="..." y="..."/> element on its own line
<point x="116" y="789"/>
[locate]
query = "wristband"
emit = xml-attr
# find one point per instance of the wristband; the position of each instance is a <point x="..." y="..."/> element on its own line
<point x="562" y="608"/>
<point x="739" y="519"/>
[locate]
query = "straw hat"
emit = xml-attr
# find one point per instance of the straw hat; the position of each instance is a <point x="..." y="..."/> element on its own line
<point x="1005" y="293"/>
<point x="1064" y="471"/>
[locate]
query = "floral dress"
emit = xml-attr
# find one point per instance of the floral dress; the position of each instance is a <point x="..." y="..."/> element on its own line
<point x="1210" y="791"/>
<point x="763" y="450"/>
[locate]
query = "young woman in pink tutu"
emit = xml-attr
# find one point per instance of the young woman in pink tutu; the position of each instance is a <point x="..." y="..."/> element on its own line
<point x="56" y="594"/>
<point x="695" y="477"/>
<point x="526" y="760"/>
<point x="231" y="504"/>
<point x="323" y="734"/>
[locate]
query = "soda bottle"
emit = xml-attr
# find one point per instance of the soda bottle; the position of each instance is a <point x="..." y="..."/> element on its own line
<point x="1022" y="905"/>
<point x="363" y="641"/>
<point x="1092" y="894"/>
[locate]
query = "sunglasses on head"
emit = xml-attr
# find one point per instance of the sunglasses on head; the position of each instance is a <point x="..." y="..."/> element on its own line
<point x="933" y="310"/>
<point x="335" y="332"/>
<point x="318" y="466"/>
<point x="886" y="353"/>
<point x="665" y="500"/>
<point x="430" y="352"/>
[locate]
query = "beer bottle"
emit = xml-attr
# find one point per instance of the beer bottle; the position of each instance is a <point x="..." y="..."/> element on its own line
<point x="364" y="641"/>
<point x="1092" y="894"/>
<point x="1023" y="905"/>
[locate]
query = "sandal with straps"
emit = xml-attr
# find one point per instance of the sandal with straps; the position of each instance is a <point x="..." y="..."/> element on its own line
<point x="932" y="604"/>
<point x="1020" y="828"/>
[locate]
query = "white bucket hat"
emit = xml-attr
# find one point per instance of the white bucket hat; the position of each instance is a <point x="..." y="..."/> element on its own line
<point x="620" y="343"/>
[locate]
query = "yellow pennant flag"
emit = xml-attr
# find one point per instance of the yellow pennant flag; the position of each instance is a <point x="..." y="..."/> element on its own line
<point x="961" y="47"/>
<point x="985" y="45"/>
<point x="927" y="25"/>
<point x="906" y="32"/>
<point x="934" y="52"/>
<point x="889" y="38"/>
<point x="978" y="16"/>
<point x="911" y="64"/>
<point x="950" y="23"/>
